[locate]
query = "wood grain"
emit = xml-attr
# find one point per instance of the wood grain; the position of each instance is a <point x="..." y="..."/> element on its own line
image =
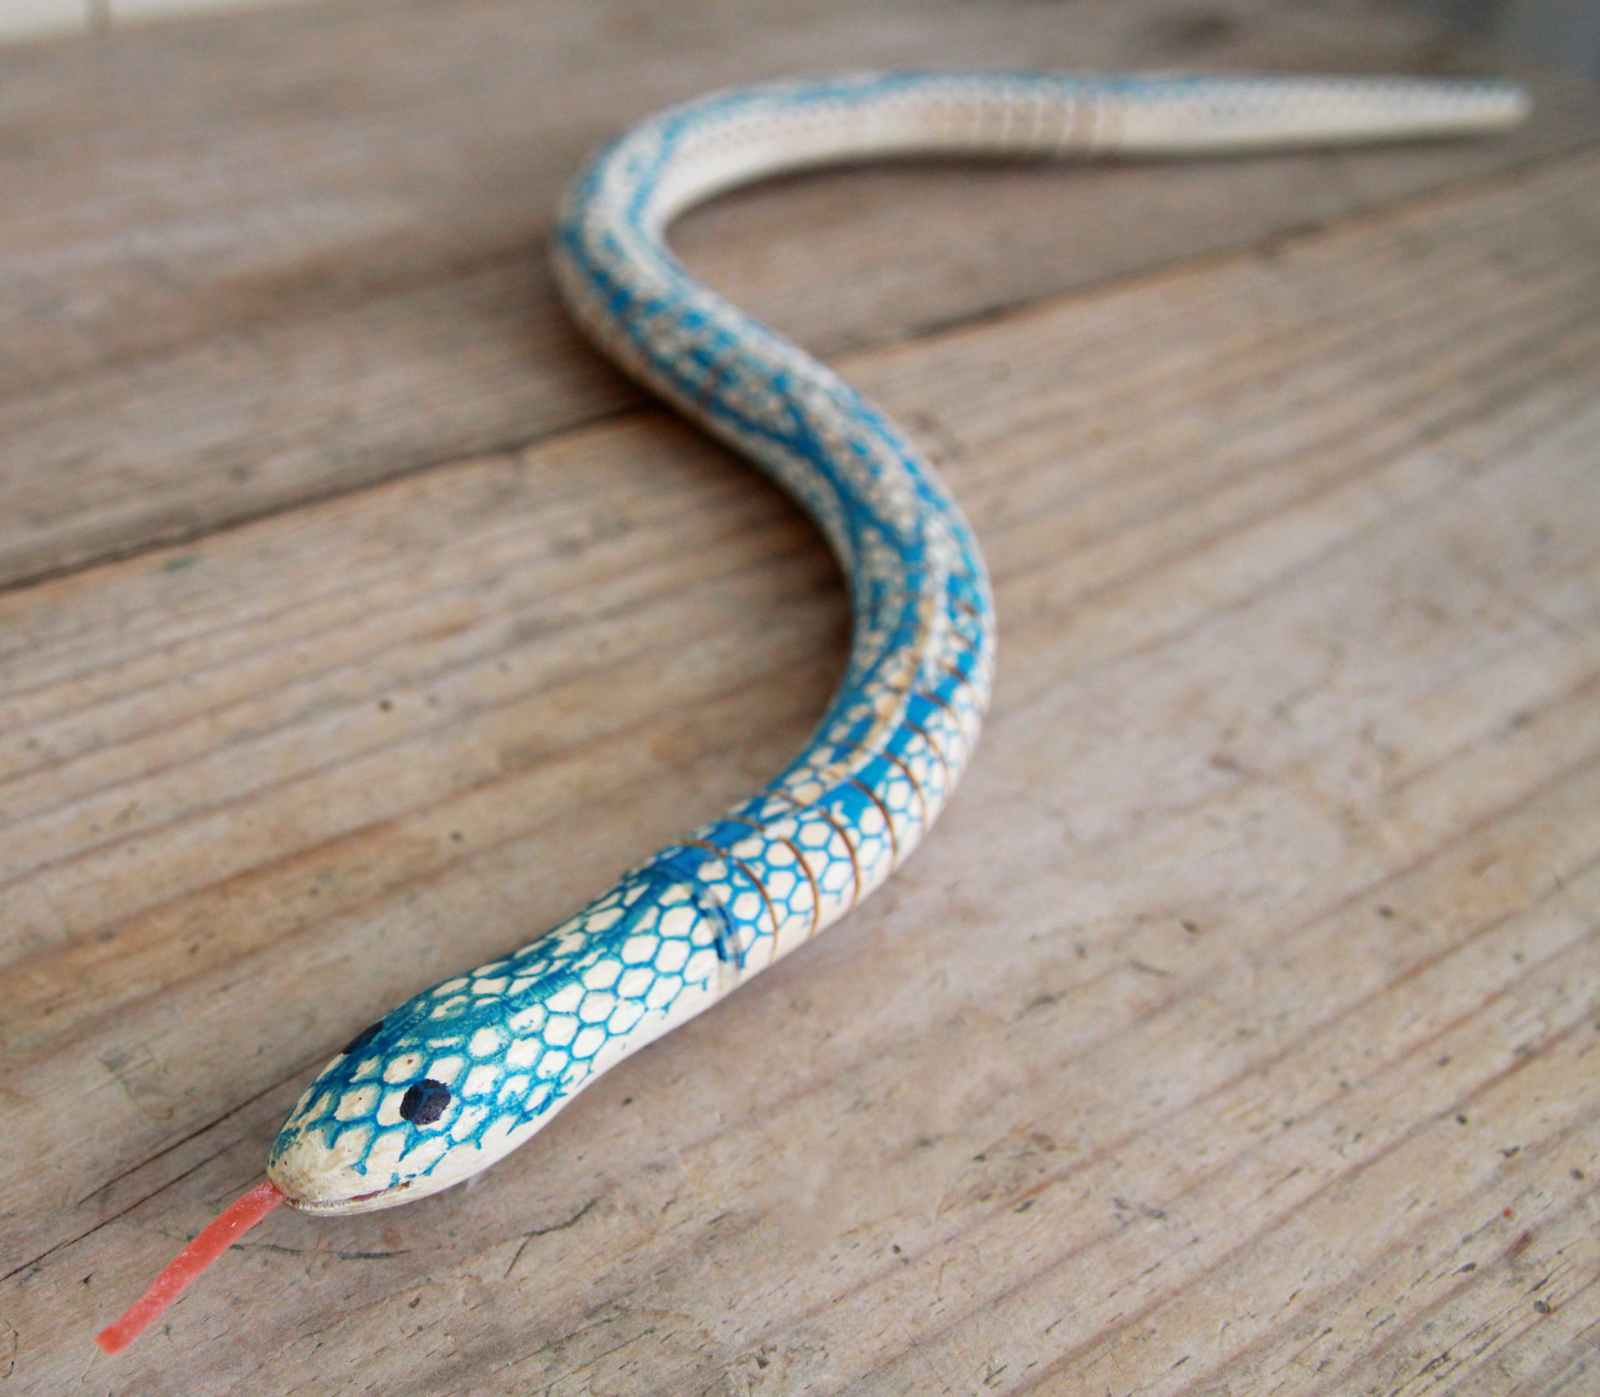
<point x="1235" y="1033"/>
<point x="300" y="253"/>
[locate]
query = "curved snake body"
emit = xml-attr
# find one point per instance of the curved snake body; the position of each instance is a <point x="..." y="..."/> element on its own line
<point x="456" y="1077"/>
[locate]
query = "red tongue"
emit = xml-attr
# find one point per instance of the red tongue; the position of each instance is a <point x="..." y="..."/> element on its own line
<point x="230" y="1225"/>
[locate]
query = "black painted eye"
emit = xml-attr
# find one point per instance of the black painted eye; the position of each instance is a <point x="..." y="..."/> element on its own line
<point x="424" y="1101"/>
<point x="356" y="1044"/>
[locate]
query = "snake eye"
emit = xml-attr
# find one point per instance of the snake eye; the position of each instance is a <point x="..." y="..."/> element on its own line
<point x="424" y="1101"/>
<point x="356" y="1044"/>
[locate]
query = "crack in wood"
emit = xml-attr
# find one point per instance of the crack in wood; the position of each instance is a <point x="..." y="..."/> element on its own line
<point x="528" y="1237"/>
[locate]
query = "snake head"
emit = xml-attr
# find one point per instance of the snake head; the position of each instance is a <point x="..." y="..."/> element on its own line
<point x="463" y="1073"/>
<point x="426" y="1097"/>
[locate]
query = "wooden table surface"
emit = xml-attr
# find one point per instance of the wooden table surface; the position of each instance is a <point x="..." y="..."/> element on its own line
<point x="1236" y="1032"/>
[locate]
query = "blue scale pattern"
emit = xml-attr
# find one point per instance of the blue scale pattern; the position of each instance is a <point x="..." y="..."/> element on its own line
<point x="468" y="1069"/>
<point x="465" y="1070"/>
<point x="474" y="1064"/>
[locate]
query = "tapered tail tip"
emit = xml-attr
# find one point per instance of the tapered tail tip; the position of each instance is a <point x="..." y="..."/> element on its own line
<point x="1511" y="105"/>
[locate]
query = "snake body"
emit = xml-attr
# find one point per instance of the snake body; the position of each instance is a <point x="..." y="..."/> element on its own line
<point x="459" y="1075"/>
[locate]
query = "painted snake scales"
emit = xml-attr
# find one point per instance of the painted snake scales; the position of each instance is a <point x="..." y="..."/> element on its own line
<point x="452" y="1080"/>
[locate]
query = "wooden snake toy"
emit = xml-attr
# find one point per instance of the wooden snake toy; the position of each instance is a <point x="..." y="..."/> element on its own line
<point x="457" y="1077"/>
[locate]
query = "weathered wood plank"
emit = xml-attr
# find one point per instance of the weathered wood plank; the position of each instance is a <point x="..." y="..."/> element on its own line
<point x="1233" y="1034"/>
<point x="300" y="253"/>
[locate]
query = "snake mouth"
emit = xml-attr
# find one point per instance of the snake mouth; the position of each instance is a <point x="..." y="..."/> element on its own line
<point x="356" y="1203"/>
